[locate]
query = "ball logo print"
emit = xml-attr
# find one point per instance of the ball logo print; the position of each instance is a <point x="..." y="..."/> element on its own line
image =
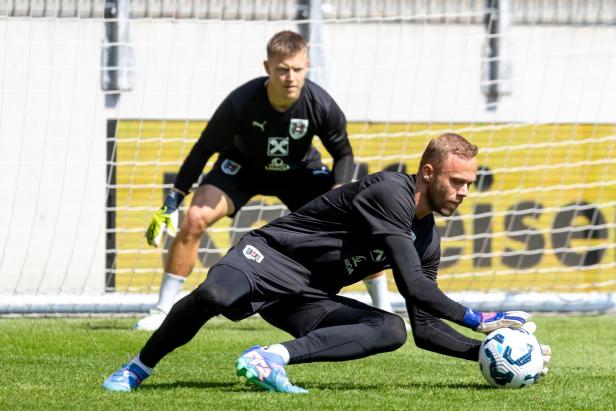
<point x="510" y="358"/>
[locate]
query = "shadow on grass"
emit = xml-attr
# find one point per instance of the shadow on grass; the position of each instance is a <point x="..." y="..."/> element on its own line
<point x="202" y="385"/>
<point x="108" y="326"/>
<point x="354" y="386"/>
<point x="232" y="386"/>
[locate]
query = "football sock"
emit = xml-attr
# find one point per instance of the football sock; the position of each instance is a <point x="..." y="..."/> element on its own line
<point x="141" y="365"/>
<point x="169" y="289"/>
<point x="377" y="288"/>
<point x="280" y="350"/>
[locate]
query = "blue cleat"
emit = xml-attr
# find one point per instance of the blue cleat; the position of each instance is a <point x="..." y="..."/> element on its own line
<point x="126" y="378"/>
<point x="265" y="370"/>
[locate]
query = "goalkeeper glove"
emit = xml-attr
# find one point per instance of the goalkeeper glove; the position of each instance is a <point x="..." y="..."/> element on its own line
<point x="488" y="322"/>
<point x="165" y="219"/>
<point x="546" y="351"/>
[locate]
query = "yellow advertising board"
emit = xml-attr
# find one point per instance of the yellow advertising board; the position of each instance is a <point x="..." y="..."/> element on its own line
<point x="542" y="217"/>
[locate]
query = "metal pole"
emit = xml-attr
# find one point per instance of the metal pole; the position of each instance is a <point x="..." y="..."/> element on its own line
<point x="310" y="22"/>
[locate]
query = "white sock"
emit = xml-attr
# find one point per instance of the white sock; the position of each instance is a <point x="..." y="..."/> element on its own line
<point x="169" y="289"/>
<point x="141" y="365"/>
<point x="280" y="350"/>
<point x="377" y="288"/>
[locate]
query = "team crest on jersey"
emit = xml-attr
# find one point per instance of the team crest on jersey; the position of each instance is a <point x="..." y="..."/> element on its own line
<point x="298" y="128"/>
<point x="278" y="146"/>
<point x="251" y="252"/>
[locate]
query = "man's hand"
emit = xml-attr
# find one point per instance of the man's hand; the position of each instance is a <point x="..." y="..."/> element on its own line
<point x="165" y="220"/>
<point x="488" y="322"/>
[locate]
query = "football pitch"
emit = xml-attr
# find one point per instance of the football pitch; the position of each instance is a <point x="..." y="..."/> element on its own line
<point x="60" y="363"/>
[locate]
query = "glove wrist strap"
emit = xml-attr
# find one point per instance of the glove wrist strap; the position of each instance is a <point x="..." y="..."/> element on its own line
<point x="472" y="319"/>
<point x="173" y="200"/>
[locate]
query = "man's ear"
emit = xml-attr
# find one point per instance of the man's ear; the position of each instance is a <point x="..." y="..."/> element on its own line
<point x="428" y="172"/>
<point x="266" y="66"/>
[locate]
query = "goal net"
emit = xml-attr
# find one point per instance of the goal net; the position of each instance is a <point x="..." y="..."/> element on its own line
<point x="93" y="131"/>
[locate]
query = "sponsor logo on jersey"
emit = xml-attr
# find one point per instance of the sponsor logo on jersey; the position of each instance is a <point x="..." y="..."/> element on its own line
<point x="278" y="146"/>
<point x="377" y="255"/>
<point x="277" y="164"/>
<point x="259" y="125"/>
<point x="230" y="167"/>
<point x="298" y="128"/>
<point x="251" y="252"/>
<point x="351" y="263"/>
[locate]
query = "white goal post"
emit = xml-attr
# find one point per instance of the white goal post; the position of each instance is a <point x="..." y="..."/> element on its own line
<point x="84" y="168"/>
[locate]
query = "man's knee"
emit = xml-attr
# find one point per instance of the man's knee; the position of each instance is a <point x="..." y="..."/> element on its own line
<point x="196" y="221"/>
<point x="224" y="287"/>
<point x="392" y="333"/>
<point x="212" y="298"/>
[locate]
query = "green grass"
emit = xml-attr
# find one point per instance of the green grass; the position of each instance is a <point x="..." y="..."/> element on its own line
<point x="58" y="363"/>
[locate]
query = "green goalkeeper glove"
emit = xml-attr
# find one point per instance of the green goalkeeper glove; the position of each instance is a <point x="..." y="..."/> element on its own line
<point x="165" y="220"/>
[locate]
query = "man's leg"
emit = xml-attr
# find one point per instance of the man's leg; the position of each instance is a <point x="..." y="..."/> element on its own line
<point x="339" y="329"/>
<point x="225" y="288"/>
<point x="376" y="285"/>
<point x="209" y="205"/>
<point x="326" y="330"/>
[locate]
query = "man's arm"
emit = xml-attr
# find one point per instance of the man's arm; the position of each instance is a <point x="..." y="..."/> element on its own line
<point x="336" y="141"/>
<point x="216" y="136"/>
<point x="419" y="290"/>
<point x="433" y="334"/>
<point x="414" y="286"/>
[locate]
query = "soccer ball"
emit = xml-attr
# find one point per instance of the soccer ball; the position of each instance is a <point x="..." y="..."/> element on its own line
<point x="510" y="358"/>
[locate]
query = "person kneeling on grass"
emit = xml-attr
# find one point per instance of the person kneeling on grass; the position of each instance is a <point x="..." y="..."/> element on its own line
<point x="290" y="272"/>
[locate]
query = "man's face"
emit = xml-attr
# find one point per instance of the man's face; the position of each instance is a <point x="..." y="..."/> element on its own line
<point x="287" y="76"/>
<point x="448" y="186"/>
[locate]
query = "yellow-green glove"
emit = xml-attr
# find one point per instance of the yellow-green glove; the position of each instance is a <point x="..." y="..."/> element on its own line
<point x="165" y="220"/>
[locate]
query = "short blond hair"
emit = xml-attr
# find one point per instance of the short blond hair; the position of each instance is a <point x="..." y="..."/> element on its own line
<point x="448" y="143"/>
<point x="285" y="44"/>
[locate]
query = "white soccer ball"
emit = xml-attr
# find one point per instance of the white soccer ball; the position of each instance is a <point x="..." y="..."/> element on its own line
<point x="510" y="358"/>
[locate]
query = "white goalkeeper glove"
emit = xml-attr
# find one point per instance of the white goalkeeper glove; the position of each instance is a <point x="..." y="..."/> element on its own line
<point x="546" y="351"/>
<point x="165" y="220"/>
<point x="488" y="322"/>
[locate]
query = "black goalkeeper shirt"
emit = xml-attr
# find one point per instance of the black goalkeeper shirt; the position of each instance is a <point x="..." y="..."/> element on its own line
<point x="246" y="129"/>
<point x="360" y="229"/>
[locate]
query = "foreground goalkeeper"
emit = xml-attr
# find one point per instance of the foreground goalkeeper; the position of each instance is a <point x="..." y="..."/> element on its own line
<point x="291" y="270"/>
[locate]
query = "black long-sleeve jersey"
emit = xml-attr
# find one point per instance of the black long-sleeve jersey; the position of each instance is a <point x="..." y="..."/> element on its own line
<point x="246" y="129"/>
<point x="367" y="226"/>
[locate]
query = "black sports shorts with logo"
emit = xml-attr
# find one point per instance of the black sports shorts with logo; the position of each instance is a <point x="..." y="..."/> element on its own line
<point x="281" y="290"/>
<point x="294" y="188"/>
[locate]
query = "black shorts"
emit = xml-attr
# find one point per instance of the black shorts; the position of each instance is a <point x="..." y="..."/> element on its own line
<point x="272" y="276"/>
<point x="294" y="188"/>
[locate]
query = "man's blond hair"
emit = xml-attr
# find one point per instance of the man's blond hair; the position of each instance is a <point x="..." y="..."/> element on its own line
<point x="285" y="44"/>
<point x="448" y="143"/>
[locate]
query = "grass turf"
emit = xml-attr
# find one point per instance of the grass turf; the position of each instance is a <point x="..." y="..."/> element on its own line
<point x="60" y="363"/>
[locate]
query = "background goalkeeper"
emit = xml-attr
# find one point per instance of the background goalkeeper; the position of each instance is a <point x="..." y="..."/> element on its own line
<point x="263" y="131"/>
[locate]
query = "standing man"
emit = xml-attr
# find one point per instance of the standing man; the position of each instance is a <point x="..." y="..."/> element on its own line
<point x="290" y="272"/>
<point x="263" y="133"/>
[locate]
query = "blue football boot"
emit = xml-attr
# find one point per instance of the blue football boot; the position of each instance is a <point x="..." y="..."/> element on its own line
<point x="265" y="370"/>
<point x="126" y="378"/>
